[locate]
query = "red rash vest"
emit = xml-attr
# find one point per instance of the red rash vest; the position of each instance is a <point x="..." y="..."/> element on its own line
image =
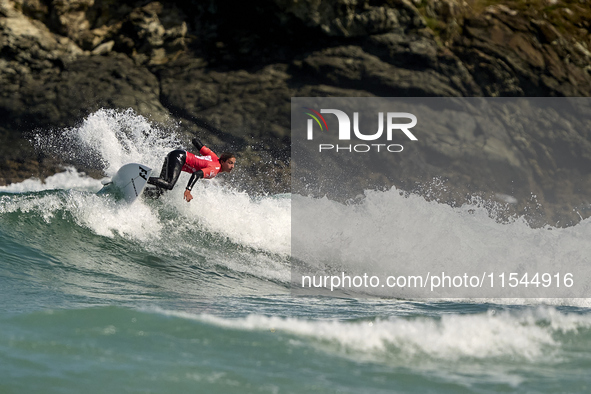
<point x="209" y="163"/>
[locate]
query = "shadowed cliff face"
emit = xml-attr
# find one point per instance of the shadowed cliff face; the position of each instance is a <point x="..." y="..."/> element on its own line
<point x="227" y="71"/>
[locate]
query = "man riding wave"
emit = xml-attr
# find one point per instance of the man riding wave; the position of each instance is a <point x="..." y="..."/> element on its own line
<point x="206" y="166"/>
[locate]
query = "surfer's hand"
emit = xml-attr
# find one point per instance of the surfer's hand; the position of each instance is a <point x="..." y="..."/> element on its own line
<point x="188" y="196"/>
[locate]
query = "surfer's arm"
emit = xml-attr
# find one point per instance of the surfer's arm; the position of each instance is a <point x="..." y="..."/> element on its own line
<point x="196" y="176"/>
<point x="197" y="143"/>
<point x="203" y="150"/>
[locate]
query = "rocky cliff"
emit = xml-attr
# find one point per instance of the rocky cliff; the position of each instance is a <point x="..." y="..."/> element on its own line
<point x="227" y="70"/>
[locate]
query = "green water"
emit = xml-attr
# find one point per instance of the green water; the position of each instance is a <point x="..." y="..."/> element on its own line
<point x="102" y="297"/>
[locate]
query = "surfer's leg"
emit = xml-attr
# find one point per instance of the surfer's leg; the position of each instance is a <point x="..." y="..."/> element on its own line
<point x="171" y="170"/>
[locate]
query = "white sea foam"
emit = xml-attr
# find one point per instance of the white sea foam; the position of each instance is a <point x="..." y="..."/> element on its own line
<point x="111" y="138"/>
<point x="122" y="137"/>
<point x="125" y="137"/>
<point x="103" y="216"/>
<point x="108" y="218"/>
<point x="529" y="335"/>
<point x="257" y="227"/>
<point x="262" y="223"/>
<point x="388" y="233"/>
<point x="69" y="179"/>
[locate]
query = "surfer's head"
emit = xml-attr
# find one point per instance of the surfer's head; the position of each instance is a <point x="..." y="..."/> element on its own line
<point x="227" y="161"/>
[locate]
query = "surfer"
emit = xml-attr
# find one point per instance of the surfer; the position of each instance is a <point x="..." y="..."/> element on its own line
<point x="206" y="166"/>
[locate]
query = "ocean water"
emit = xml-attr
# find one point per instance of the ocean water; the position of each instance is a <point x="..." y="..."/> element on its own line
<point x="164" y="296"/>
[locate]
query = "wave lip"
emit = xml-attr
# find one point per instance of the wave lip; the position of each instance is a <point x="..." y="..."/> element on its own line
<point x="511" y="347"/>
<point x="529" y="335"/>
<point x="69" y="179"/>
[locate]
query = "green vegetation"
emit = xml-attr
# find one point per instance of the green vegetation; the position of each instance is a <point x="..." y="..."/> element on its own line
<point x="572" y="18"/>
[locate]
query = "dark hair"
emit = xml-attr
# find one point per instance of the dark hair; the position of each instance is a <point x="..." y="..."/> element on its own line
<point x="227" y="156"/>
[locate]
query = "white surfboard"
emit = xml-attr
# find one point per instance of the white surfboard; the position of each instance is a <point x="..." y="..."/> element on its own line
<point x="129" y="181"/>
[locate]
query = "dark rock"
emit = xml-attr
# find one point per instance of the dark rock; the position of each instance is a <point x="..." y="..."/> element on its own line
<point x="228" y="72"/>
<point x="353" y="19"/>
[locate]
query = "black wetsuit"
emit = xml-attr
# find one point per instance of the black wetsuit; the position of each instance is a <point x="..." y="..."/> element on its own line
<point x="172" y="168"/>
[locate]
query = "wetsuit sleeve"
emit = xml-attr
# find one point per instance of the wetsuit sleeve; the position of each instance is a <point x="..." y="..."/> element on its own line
<point x="197" y="143"/>
<point x="205" y="151"/>
<point x="196" y="176"/>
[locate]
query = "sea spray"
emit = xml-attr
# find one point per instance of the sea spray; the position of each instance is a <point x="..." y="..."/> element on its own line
<point x="390" y="233"/>
<point x="68" y="179"/>
<point x="107" y="139"/>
